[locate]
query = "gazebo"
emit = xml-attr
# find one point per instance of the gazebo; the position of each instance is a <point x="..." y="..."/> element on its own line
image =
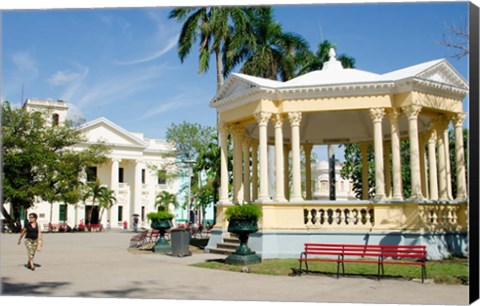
<point x="339" y="106"/>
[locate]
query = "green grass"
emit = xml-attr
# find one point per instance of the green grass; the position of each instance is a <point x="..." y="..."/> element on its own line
<point x="449" y="271"/>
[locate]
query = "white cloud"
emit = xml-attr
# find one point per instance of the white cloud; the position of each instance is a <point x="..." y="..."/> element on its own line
<point x="170" y="45"/>
<point x="25" y="63"/>
<point x="63" y="77"/>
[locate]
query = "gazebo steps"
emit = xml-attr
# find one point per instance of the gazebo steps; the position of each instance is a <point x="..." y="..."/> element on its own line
<point x="227" y="246"/>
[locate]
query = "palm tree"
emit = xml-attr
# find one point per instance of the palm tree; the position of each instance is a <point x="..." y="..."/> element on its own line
<point x="212" y="26"/>
<point x="315" y="61"/>
<point x="106" y="200"/>
<point x="164" y="199"/>
<point x="93" y="191"/>
<point x="274" y="52"/>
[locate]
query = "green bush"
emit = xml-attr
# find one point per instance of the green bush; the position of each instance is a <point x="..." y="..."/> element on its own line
<point x="156" y="216"/>
<point x="247" y="211"/>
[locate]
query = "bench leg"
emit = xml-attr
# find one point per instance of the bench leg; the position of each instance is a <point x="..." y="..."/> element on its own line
<point x="424" y="273"/>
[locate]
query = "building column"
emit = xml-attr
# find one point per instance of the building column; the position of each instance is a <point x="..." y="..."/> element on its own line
<point x="295" y="118"/>
<point x="432" y="165"/>
<point x="113" y="184"/>
<point x="393" y="115"/>
<point x="388" y="176"/>
<point x="223" y="197"/>
<point x="237" y="132"/>
<point x="262" y="119"/>
<point x="365" y="186"/>
<point x="246" y="170"/>
<point x="412" y="112"/>
<point x="423" y="168"/>
<point x="307" y="148"/>
<point x="286" y="154"/>
<point x="446" y="142"/>
<point x="254" y="170"/>
<point x="279" y="163"/>
<point x="377" y="115"/>
<point x="441" y="124"/>
<point x="460" y="157"/>
<point x="137" y="191"/>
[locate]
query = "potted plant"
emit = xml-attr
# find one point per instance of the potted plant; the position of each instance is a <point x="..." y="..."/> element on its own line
<point x="161" y="220"/>
<point x="242" y="221"/>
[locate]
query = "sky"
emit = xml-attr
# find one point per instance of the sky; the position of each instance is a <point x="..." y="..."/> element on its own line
<point x="122" y="63"/>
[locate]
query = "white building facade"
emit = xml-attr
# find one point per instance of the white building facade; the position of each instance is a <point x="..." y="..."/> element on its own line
<point x="137" y="170"/>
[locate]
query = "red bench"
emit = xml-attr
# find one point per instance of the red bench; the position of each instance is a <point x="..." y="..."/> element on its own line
<point x="369" y="254"/>
<point x="90" y="227"/>
<point x="138" y="239"/>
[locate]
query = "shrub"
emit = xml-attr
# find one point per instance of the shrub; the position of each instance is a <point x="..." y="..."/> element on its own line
<point x="247" y="211"/>
<point x="156" y="216"/>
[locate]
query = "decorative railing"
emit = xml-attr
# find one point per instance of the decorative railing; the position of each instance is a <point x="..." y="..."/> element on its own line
<point x="443" y="216"/>
<point x="339" y="217"/>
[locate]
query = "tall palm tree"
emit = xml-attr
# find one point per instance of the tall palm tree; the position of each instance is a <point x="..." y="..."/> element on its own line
<point x="164" y="199"/>
<point x="106" y="200"/>
<point x="93" y="192"/>
<point x="315" y="61"/>
<point x="273" y="54"/>
<point x="212" y="26"/>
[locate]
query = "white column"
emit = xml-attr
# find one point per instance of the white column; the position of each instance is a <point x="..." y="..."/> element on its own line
<point x="286" y="154"/>
<point x="365" y="186"/>
<point x="441" y="124"/>
<point x="423" y="169"/>
<point x="393" y="115"/>
<point x="377" y="115"/>
<point x="307" y="148"/>
<point x="254" y="170"/>
<point x="113" y="185"/>
<point x="246" y="170"/>
<point x="237" y="132"/>
<point x="279" y="163"/>
<point x="295" y="118"/>
<point x="446" y="142"/>
<point x="432" y="165"/>
<point x="412" y="112"/>
<point x="223" y="164"/>
<point x="388" y="176"/>
<point x="262" y="119"/>
<point x="137" y="192"/>
<point x="460" y="157"/>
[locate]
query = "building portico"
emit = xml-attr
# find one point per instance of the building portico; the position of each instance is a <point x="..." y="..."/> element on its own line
<point x="346" y="106"/>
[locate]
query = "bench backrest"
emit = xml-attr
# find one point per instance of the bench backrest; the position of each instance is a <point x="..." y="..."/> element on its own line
<point x="398" y="251"/>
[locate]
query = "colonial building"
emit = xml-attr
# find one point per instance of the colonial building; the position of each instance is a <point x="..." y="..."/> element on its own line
<point x="137" y="169"/>
<point x="340" y="106"/>
<point x="321" y="181"/>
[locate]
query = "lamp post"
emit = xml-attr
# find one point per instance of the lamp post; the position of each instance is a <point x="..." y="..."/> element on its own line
<point x="189" y="164"/>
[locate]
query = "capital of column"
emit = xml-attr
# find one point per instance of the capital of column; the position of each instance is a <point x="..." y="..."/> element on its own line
<point x="377" y="114"/>
<point x="295" y="118"/>
<point x="224" y="128"/>
<point x="307" y="147"/>
<point x="431" y="135"/>
<point x="278" y="120"/>
<point x="440" y="123"/>
<point x="412" y="111"/>
<point x="116" y="160"/>
<point x="237" y="130"/>
<point x="393" y="114"/>
<point x="262" y="117"/>
<point x="458" y="119"/>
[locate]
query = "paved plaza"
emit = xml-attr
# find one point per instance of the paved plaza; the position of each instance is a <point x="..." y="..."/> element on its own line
<point x="99" y="265"/>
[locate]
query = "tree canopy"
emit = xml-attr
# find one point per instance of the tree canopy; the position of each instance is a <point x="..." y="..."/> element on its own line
<point x="40" y="162"/>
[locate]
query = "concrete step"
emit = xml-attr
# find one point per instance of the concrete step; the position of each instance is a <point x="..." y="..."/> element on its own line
<point x="231" y="240"/>
<point x="221" y="251"/>
<point x="225" y="245"/>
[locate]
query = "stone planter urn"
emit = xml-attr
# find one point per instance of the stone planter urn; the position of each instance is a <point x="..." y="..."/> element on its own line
<point x="242" y="227"/>
<point x="162" y="224"/>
